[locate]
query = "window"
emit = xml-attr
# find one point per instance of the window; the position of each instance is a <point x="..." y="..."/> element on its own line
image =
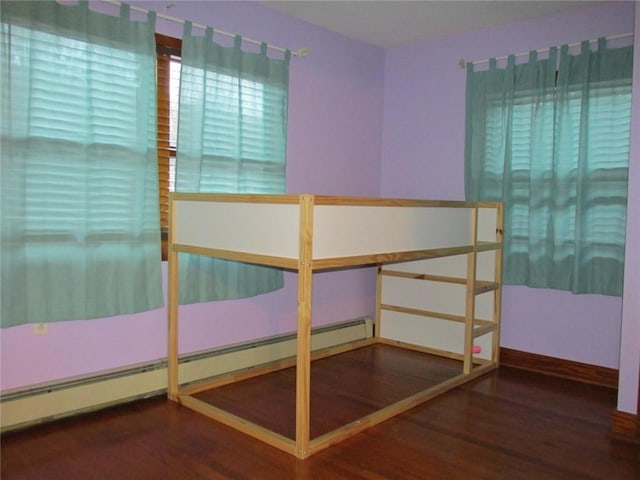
<point x="232" y="139"/>
<point x="168" y="81"/>
<point x="608" y="114"/>
<point x="78" y="202"/>
<point x="550" y="138"/>
<point x="244" y="101"/>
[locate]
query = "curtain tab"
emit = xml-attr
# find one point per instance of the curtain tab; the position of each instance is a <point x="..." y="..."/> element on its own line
<point x="493" y="63"/>
<point x="533" y="56"/>
<point x="237" y="42"/>
<point x="585" y="47"/>
<point x="553" y="59"/>
<point x="186" y="31"/>
<point x="208" y="35"/>
<point x="83" y="5"/>
<point x="263" y="48"/>
<point x="602" y="43"/>
<point x="151" y="18"/>
<point x="125" y="10"/>
<point x="469" y="66"/>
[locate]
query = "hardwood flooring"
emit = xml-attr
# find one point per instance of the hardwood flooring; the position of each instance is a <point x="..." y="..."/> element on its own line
<point x="508" y="424"/>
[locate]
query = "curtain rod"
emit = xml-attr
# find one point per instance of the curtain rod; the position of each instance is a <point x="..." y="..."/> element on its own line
<point x="463" y="63"/>
<point x="301" y="52"/>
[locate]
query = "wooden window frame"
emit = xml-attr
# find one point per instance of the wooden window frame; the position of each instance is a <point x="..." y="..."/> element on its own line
<point x="166" y="49"/>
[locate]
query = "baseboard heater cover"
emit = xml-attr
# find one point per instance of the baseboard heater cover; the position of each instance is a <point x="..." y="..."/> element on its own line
<point x="39" y="404"/>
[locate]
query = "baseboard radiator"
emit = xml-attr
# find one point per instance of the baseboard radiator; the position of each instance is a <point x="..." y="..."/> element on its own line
<point x="43" y="403"/>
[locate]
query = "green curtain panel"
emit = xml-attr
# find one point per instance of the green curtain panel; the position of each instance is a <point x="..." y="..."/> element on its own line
<point x="79" y="198"/>
<point x="231" y="139"/>
<point x="550" y="138"/>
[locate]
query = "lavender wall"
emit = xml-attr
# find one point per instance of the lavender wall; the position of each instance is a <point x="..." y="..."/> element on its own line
<point x="423" y="152"/>
<point x="342" y="142"/>
<point x="630" y="338"/>
<point x="334" y="145"/>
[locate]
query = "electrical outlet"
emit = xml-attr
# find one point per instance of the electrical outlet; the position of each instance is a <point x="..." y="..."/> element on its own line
<point x="40" y="328"/>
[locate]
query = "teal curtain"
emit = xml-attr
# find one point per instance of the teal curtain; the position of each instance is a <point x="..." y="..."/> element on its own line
<point x="231" y="139"/>
<point x="550" y="138"/>
<point x="79" y="200"/>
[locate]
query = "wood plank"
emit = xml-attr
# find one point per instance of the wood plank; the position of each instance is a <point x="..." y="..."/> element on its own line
<point x="249" y="428"/>
<point x="303" y="355"/>
<point x="431" y="351"/>
<point x="258" y="370"/>
<point x="422" y="313"/>
<point x="237" y="197"/>
<point x="428" y="313"/>
<point x="424" y="276"/>
<point x="625" y="426"/>
<point x="421" y="348"/>
<point x="389" y="257"/>
<point x="497" y="296"/>
<point x="390" y="202"/>
<point x="329" y="200"/>
<point x="483" y="330"/>
<point x="283" y="262"/>
<point x="172" y="311"/>
<point x="483" y="286"/>
<point x="377" y="326"/>
<point x="470" y="301"/>
<point x="483" y="246"/>
<point x="558" y="367"/>
<point x="233" y="377"/>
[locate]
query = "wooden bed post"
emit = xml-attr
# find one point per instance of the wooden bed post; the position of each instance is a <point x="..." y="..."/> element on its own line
<point x="303" y="356"/>
<point x="377" y="324"/>
<point x="172" y="300"/>
<point x="470" y="309"/>
<point x="497" y="298"/>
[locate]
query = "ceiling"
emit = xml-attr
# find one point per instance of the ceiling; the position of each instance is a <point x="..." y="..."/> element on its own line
<point x="394" y="23"/>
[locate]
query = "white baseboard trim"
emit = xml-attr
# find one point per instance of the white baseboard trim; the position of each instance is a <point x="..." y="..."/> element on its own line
<point x="43" y="403"/>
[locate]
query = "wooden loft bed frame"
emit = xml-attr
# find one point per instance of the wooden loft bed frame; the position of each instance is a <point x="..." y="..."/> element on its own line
<point x="415" y="244"/>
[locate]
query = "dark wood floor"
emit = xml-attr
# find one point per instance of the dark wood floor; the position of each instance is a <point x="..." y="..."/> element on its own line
<point x="508" y="424"/>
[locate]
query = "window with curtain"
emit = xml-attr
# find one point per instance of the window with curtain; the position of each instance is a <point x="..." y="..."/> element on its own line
<point x="168" y="54"/>
<point x="550" y="138"/>
<point x="79" y="199"/>
<point x="232" y="125"/>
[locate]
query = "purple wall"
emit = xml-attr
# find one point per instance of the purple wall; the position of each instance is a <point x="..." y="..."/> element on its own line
<point x="423" y="156"/>
<point x="334" y="145"/>
<point x="341" y="141"/>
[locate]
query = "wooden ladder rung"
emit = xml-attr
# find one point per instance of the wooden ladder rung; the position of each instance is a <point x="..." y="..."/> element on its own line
<point x="479" y="331"/>
<point x="483" y="286"/>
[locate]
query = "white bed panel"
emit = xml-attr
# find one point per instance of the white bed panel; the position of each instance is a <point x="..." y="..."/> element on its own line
<point x="429" y="332"/>
<point x="486" y="265"/>
<point x="487" y="224"/>
<point x="439" y="297"/>
<point x="484" y="306"/>
<point x="338" y="230"/>
<point x="448" y="298"/>
<point x="346" y="230"/>
<point x="258" y="228"/>
<point x="452" y="266"/>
